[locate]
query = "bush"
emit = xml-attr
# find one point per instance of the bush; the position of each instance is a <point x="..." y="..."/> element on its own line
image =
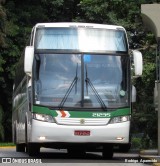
<point x="136" y="143"/>
<point x="1" y="126"/>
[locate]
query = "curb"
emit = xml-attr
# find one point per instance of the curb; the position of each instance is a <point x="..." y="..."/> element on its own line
<point x="156" y="164"/>
<point x="150" y="156"/>
<point x="7" y="147"/>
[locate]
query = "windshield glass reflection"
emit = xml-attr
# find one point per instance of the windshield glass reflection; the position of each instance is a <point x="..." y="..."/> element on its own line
<point x="81" y="81"/>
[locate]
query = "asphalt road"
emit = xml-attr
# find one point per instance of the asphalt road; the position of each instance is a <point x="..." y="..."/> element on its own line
<point x="61" y="157"/>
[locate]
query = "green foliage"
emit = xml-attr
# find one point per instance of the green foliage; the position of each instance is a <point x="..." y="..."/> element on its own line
<point x="144" y="114"/>
<point x="2" y="37"/>
<point x="143" y="142"/>
<point x="2" y="22"/>
<point x="2" y="62"/>
<point x="136" y="143"/>
<point x="110" y="12"/>
<point x="6" y="144"/>
<point x="1" y="126"/>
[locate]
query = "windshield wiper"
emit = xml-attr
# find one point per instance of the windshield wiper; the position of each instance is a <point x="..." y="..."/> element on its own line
<point x="38" y="63"/>
<point x="74" y="83"/>
<point x="99" y="99"/>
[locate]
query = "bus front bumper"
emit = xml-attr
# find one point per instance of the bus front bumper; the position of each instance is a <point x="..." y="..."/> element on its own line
<point x="44" y="132"/>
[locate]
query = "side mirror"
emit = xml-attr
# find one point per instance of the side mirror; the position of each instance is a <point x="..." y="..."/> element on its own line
<point x="28" y="60"/>
<point x="134" y="93"/>
<point x="138" y="62"/>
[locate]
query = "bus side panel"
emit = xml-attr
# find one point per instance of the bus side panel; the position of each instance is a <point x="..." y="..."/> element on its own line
<point x="20" y="112"/>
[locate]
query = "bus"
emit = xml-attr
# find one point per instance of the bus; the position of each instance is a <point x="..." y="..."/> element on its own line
<point x="73" y="90"/>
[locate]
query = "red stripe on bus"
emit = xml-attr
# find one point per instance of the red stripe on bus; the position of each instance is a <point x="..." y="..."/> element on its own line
<point x="63" y="114"/>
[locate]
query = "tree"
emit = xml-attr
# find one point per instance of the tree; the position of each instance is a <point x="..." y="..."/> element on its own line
<point x="2" y="61"/>
<point x="145" y="116"/>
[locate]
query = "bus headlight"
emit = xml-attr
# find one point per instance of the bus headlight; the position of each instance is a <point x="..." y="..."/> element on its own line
<point x="43" y="117"/>
<point x="119" y="119"/>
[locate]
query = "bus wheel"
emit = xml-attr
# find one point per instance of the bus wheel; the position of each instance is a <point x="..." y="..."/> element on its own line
<point x="76" y="152"/>
<point x="124" y="148"/>
<point x="26" y="136"/>
<point x="107" y="152"/>
<point x="20" y="147"/>
<point x="33" y="149"/>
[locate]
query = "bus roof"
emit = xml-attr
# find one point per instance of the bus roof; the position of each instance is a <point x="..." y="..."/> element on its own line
<point x="81" y="25"/>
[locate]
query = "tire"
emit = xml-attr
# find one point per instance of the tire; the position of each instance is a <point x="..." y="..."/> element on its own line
<point x="124" y="148"/>
<point x="20" y="147"/>
<point x="33" y="149"/>
<point x="26" y="136"/>
<point x="76" y="152"/>
<point x="107" y="152"/>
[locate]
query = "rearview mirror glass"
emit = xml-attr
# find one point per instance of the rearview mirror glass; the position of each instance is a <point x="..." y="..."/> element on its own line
<point x="28" y="60"/>
<point x="137" y="62"/>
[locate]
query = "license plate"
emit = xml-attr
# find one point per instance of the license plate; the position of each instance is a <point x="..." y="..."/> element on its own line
<point x="82" y="132"/>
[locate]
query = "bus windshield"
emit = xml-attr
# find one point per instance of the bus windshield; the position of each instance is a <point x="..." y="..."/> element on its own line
<point x="81" y="80"/>
<point x="82" y="39"/>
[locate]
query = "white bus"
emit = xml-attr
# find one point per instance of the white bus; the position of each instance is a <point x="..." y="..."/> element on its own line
<point x="73" y="88"/>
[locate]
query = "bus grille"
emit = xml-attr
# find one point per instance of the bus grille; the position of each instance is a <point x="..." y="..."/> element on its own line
<point x="82" y="121"/>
